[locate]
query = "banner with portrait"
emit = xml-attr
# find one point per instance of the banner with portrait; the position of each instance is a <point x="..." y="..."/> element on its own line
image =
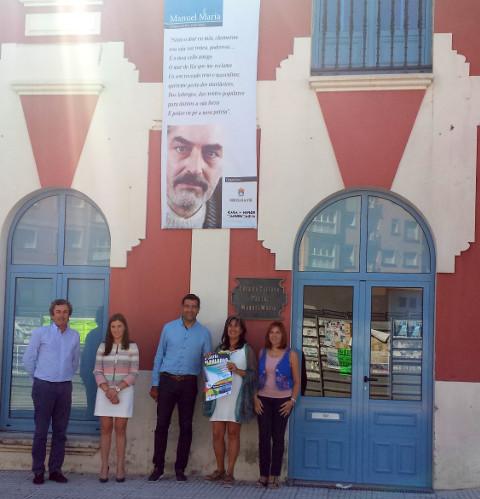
<point x="209" y="140"/>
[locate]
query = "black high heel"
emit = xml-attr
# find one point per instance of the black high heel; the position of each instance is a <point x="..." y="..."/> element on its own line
<point x="104" y="480"/>
<point x="120" y="480"/>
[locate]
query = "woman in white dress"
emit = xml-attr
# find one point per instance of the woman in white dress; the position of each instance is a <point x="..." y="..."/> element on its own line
<point x="229" y="412"/>
<point x="116" y="369"/>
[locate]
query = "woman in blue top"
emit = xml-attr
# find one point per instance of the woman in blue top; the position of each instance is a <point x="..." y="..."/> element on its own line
<point x="278" y="389"/>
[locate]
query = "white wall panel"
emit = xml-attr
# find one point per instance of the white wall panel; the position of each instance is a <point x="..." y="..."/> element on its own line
<point x="457" y="435"/>
<point x="298" y="167"/>
<point x="438" y="170"/>
<point x="209" y="277"/>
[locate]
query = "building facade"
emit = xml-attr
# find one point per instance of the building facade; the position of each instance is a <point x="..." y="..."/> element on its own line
<point x="367" y="140"/>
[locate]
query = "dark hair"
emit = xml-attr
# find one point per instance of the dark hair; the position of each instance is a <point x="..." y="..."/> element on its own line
<point x="225" y="338"/>
<point x="109" y="336"/>
<point x="192" y="297"/>
<point x="60" y="301"/>
<point x="281" y="326"/>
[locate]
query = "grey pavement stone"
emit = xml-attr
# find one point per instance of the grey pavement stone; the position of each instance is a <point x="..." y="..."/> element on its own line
<point x="18" y="485"/>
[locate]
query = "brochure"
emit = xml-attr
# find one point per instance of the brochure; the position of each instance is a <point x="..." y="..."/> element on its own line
<point x="218" y="378"/>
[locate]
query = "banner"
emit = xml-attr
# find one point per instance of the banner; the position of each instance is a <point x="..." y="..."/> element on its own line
<point x="209" y="151"/>
<point x="218" y="378"/>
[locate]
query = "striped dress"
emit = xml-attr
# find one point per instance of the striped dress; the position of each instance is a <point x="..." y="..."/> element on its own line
<point x="119" y="365"/>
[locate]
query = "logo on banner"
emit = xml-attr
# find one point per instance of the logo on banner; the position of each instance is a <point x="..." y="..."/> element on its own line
<point x="192" y="13"/>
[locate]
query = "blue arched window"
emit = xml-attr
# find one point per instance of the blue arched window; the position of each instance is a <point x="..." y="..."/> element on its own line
<point x="392" y="239"/>
<point x="59" y="246"/>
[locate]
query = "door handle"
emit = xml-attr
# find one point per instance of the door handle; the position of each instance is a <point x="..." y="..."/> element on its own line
<point x="366" y="379"/>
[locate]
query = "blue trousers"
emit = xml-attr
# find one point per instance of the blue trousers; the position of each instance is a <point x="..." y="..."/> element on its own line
<point x="52" y="403"/>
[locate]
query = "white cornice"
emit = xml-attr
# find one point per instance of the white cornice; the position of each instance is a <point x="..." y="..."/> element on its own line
<point x="60" y="3"/>
<point x="352" y="83"/>
<point x="58" y="88"/>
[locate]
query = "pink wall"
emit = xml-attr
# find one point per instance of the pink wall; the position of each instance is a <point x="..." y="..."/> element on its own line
<point x="248" y="258"/>
<point x="58" y="141"/>
<point x="369" y="132"/>
<point x="150" y="289"/>
<point x="458" y="311"/>
<point x="461" y="18"/>
<point x="139" y="24"/>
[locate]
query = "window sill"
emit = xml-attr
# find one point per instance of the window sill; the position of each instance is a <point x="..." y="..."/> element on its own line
<point x="58" y="3"/>
<point x="369" y="82"/>
<point x="58" y="88"/>
<point x="77" y="445"/>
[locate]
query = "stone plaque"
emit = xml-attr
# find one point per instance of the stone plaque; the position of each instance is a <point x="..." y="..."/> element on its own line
<point x="259" y="298"/>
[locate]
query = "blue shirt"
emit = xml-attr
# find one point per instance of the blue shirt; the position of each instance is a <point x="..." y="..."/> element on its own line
<point x="52" y="355"/>
<point x="181" y="349"/>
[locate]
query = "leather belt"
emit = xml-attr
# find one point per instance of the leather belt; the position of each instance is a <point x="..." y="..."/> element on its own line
<point x="179" y="377"/>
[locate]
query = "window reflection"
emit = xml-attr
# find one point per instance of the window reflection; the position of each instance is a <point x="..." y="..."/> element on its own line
<point x="396" y="339"/>
<point x="87" y="239"/>
<point x="327" y="341"/>
<point x="32" y="299"/>
<point x="36" y="233"/>
<point x="396" y="242"/>
<point x="332" y="240"/>
<point x="87" y="319"/>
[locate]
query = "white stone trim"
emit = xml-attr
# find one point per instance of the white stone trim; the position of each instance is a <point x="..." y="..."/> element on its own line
<point x="436" y="172"/>
<point x="298" y="165"/>
<point x="60" y="3"/>
<point x="438" y="169"/>
<point x="210" y="264"/>
<point x="63" y="23"/>
<point x="457" y="436"/>
<point x="58" y="88"/>
<point x="369" y="82"/>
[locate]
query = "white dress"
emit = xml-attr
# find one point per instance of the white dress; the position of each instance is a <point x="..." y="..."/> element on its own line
<point x="103" y="406"/>
<point x="225" y="406"/>
<point x="122" y="362"/>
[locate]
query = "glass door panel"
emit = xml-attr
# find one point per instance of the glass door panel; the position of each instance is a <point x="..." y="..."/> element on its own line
<point x="327" y="341"/>
<point x="396" y="339"/>
<point x="32" y="300"/>
<point x="88" y="299"/>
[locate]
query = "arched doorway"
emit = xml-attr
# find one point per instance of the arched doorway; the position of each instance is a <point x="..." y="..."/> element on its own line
<point x="58" y="247"/>
<point x="363" y="318"/>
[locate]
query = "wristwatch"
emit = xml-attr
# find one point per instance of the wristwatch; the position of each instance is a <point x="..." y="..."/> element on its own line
<point x="117" y="388"/>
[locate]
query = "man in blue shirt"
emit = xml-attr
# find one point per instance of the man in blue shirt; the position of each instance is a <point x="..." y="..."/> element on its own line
<point x="178" y="362"/>
<point x="51" y="359"/>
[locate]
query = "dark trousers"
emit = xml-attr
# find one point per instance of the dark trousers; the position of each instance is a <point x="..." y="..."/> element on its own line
<point x="52" y="403"/>
<point x="271" y="436"/>
<point x="182" y="394"/>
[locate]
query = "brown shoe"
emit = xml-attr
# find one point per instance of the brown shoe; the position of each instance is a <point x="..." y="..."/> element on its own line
<point x="228" y="481"/>
<point x="215" y="476"/>
<point x="261" y="482"/>
<point x="273" y="482"/>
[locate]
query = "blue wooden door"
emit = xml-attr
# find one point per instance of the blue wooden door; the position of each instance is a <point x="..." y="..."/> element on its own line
<point x="366" y="409"/>
<point x="323" y="433"/>
<point x="397" y="384"/>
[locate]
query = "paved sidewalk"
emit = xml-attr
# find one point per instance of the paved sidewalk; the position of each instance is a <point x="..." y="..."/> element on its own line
<point x="18" y="485"/>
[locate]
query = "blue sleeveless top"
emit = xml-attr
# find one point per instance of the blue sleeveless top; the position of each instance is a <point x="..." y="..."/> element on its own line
<point x="283" y="371"/>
